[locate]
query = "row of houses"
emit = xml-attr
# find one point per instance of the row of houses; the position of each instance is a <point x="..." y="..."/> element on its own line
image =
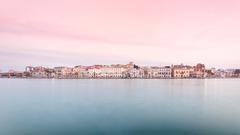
<point x="101" y="71"/>
<point x="128" y="71"/>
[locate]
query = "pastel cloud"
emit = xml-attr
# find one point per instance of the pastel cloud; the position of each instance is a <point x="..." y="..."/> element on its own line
<point x="147" y="31"/>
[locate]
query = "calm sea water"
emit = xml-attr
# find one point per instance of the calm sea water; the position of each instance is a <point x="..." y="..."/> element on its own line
<point x="119" y="107"/>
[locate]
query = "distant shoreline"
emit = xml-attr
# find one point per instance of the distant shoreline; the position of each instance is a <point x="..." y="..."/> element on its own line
<point x="117" y="78"/>
<point x="123" y="71"/>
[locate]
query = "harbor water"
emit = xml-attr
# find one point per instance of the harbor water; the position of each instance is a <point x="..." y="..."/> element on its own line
<point x="120" y="107"/>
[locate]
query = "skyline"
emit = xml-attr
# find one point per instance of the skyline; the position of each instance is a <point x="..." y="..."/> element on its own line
<point x="123" y="71"/>
<point x="61" y="32"/>
<point x="119" y="65"/>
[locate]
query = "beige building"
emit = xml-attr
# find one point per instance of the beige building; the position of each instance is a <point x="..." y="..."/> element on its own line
<point x="63" y="72"/>
<point x="40" y="72"/>
<point x="80" y="72"/>
<point x="94" y="72"/>
<point x="133" y="73"/>
<point x="112" y="72"/>
<point x="158" y="72"/>
<point x="83" y="73"/>
<point x="106" y="72"/>
<point x="229" y="73"/>
<point x="182" y="71"/>
<point x="198" y="71"/>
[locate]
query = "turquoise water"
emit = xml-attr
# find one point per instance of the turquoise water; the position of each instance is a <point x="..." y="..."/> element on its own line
<point x="119" y="107"/>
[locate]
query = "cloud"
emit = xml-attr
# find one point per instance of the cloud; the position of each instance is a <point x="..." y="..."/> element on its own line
<point x="105" y="31"/>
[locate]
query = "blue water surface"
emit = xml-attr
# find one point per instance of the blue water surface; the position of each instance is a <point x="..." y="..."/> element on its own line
<point x="119" y="107"/>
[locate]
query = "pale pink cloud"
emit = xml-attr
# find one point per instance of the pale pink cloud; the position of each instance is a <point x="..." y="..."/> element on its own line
<point x="142" y="30"/>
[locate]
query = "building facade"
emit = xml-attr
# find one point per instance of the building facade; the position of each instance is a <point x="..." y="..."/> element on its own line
<point x="63" y="72"/>
<point x="198" y="71"/>
<point x="133" y="73"/>
<point x="181" y="71"/>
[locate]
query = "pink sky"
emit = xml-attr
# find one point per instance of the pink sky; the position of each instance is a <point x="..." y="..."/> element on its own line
<point x="154" y="32"/>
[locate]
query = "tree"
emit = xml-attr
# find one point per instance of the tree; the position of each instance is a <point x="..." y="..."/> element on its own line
<point x="135" y="66"/>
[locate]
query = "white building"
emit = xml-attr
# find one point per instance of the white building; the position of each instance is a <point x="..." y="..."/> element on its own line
<point x="112" y="72"/>
<point x="63" y="72"/>
<point x="39" y="74"/>
<point x="159" y="72"/>
<point x="83" y="73"/>
<point x="134" y="73"/>
<point x="80" y="72"/>
<point x="165" y="72"/>
<point x="220" y="73"/>
<point x="94" y="72"/>
<point x="229" y="73"/>
<point x="106" y="72"/>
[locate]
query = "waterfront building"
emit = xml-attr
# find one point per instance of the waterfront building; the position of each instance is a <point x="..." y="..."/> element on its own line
<point x="76" y="69"/>
<point x="26" y="74"/>
<point x="124" y="71"/>
<point x="80" y="72"/>
<point x="5" y="75"/>
<point x="38" y="72"/>
<point x="63" y="72"/>
<point x="130" y="65"/>
<point x="237" y="73"/>
<point x="198" y="71"/>
<point x="160" y="72"/>
<point x="152" y="72"/>
<point x="94" y="72"/>
<point x="112" y="72"/>
<point x="106" y="72"/>
<point x="50" y="72"/>
<point x="83" y="73"/>
<point x="209" y="73"/>
<point x="181" y="71"/>
<point x="165" y="72"/>
<point x="133" y="73"/>
<point x="220" y="73"/>
<point x="12" y="74"/>
<point x="229" y="73"/>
